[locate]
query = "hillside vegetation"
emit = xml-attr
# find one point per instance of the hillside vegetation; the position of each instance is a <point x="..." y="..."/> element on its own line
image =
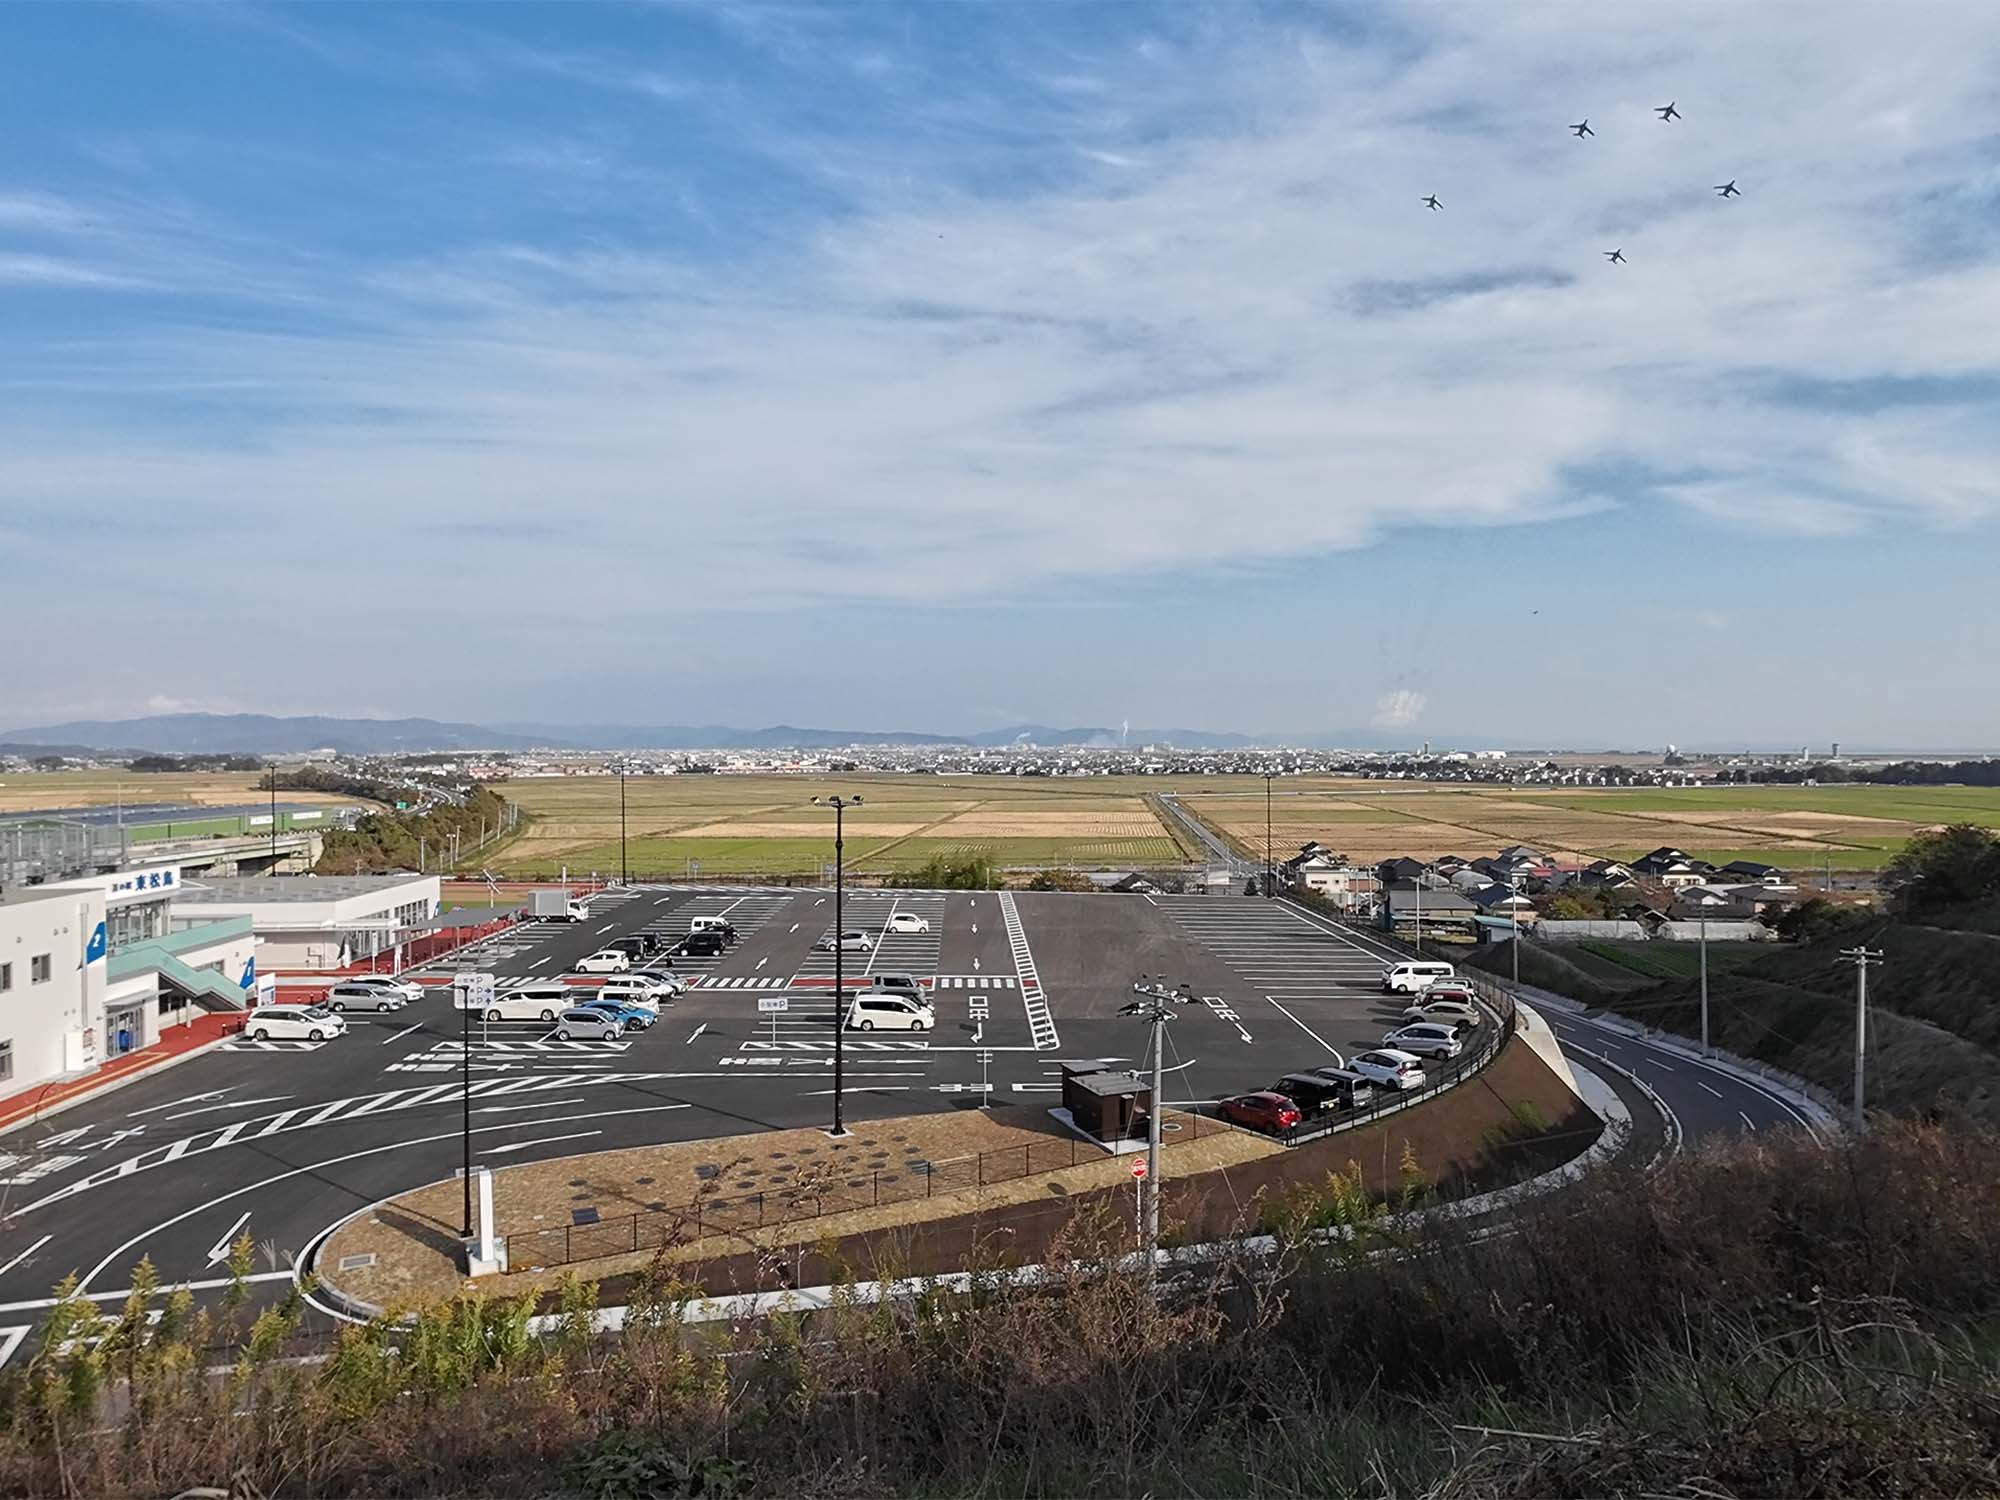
<point x="1815" y="1321"/>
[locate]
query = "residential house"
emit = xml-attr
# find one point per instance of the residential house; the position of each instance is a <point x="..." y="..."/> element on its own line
<point x="1400" y="868"/>
<point x="1405" y="906"/>
<point x="1502" y="901"/>
<point x="1603" y="872"/>
<point x="1672" y="867"/>
<point x="1750" y="872"/>
<point x="1350" y="887"/>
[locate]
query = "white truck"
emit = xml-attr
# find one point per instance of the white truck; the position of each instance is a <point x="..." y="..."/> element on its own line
<point x="556" y="906"/>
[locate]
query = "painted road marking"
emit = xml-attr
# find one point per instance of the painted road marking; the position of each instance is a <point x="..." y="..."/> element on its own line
<point x="504" y="1109"/>
<point x="547" y="1140"/>
<point x="191" y="1099"/>
<point x="1307" y="1029"/>
<point x="403" y="1033"/>
<point x="15" y="1262"/>
<point x="219" y="1251"/>
<point x="209" y="1109"/>
<point x="1041" y="1025"/>
<point x="1700" y="1085"/>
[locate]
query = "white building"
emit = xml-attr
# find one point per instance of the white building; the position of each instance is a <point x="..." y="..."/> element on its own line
<point x="318" y="921"/>
<point x="161" y="965"/>
<point x="52" y="980"/>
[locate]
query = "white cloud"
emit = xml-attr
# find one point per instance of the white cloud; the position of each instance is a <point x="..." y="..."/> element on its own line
<point x="1248" y="345"/>
<point x="1398" y="710"/>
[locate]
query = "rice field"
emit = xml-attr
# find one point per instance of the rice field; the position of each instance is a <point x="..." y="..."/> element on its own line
<point x="1801" y="828"/>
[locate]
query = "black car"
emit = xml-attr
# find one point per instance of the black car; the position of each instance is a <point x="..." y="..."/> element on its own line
<point x="1351" y="1089"/>
<point x="638" y="945"/>
<point x="698" y="945"/>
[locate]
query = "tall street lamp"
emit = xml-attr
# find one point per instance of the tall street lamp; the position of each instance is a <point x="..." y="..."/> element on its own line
<point x="624" y="865"/>
<point x="839" y="806"/>
<point x="1267" y="835"/>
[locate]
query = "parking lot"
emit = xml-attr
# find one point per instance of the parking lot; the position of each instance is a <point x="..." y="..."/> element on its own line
<point x="279" y="1138"/>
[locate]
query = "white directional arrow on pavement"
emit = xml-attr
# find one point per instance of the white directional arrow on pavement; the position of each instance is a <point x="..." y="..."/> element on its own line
<point x="975" y="965"/>
<point x="1242" y="1033"/>
<point x="219" y="1251"/>
<point x="697" y="1031"/>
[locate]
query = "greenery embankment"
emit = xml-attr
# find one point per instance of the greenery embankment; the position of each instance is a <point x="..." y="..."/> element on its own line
<point x="391" y="840"/>
<point x="1814" y="1321"/>
<point x="1934" y="1000"/>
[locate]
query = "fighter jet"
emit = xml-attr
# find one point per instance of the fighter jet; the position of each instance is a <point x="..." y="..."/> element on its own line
<point x="1727" y="189"/>
<point x="1580" y="131"/>
<point x="1616" y="257"/>
<point x="1669" y="113"/>
<point x="1432" y="203"/>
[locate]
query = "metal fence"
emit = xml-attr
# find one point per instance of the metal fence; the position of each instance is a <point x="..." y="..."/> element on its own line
<point x="664" y="1226"/>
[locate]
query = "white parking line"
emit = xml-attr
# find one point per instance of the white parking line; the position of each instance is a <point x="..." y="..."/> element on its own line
<point x="1305" y="1028"/>
<point x="547" y="1140"/>
<point x="403" y="1033"/>
<point x="21" y="1257"/>
<point x="1700" y="1085"/>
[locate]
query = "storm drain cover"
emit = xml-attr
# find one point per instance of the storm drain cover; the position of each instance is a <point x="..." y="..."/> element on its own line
<point x="583" y="1216"/>
<point x="357" y="1262"/>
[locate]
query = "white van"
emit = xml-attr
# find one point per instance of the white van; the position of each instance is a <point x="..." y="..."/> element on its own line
<point x="714" y="924"/>
<point x="1416" y="974"/>
<point x="539" y="1002"/>
<point x="876" y="1010"/>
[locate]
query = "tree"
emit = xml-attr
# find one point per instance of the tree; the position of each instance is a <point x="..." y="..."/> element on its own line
<point x="1060" y="880"/>
<point x="1948" y="867"/>
<point x="1812" y="920"/>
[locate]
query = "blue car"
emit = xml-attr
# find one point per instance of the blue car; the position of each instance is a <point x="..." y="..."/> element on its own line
<point x="631" y="1017"/>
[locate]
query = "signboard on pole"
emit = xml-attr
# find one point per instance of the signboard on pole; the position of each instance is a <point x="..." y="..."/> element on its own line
<point x="1139" y="1167"/>
<point x="773" y="1003"/>
<point x="471" y="990"/>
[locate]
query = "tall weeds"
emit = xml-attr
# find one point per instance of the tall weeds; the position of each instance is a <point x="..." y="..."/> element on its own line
<point x="1773" y="1315"/>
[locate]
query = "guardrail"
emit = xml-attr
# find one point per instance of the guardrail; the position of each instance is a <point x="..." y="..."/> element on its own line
<point x="662" y="1227"/>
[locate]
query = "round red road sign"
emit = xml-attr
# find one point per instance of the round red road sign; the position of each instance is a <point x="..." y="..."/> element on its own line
<point x="1139" y="1167"/>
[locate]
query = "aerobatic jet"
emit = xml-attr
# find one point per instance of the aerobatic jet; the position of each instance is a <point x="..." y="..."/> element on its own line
<point x="1669" y="113"/>
<point x="1582" y="130"/>
<point x="1616" y="257"/>
<point x="1727" y="189"/>
<point x="1432" y="203"/>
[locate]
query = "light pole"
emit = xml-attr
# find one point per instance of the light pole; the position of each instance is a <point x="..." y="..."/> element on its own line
<point x="624" y="865"/>
<point x="1156" y="1009"/>
<point x="839" y="806"/>
<point x="1861" y="958"/>
<point x="274" y="818"/>
<point x="1267" y="835"/>
<point x="1417" y="893"/>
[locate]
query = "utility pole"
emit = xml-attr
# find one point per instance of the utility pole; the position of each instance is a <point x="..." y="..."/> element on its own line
<point x="274" y="820"/>
<point x="839" y="806"/>
<point x="1861" y="958"/>
<point x="1704" y="982"/>
<point x="1156" y="1009"/>
<point x="1417" y="890"/>
<point x="624" y="865"/>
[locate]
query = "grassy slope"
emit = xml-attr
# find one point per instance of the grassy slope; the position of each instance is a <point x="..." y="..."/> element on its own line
<point x="1935" y="1008"/>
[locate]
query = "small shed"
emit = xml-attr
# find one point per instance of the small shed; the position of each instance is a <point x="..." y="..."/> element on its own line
<point x="1103" y="1103"/>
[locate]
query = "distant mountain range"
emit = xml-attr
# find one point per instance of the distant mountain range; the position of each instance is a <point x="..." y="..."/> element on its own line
<point x="213" y="734"/>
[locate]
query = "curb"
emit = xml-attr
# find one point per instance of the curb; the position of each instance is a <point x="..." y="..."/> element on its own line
<point x="84" y="1096"/>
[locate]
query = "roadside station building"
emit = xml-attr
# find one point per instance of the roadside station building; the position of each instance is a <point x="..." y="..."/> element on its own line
<point x="99" y="966"/>
<point x="318" y="921"/>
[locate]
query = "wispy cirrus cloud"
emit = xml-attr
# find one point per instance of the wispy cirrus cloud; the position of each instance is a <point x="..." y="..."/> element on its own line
<point x="1154" y="298"/>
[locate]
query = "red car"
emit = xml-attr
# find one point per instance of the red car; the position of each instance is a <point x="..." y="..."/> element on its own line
<point x="1272" y="1113"/>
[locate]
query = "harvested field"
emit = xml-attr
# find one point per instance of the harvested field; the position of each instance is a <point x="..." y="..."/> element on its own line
<point x="1006" y="824"/>
<point x="33" y="791"/>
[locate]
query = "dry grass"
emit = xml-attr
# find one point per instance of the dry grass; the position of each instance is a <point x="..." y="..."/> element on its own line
<point x="32" y="791"/>
<point x="924" y="1164"/>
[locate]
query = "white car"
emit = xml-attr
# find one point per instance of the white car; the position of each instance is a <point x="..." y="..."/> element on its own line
<point x="1416" y="974"/>
<point x="1459" y="1013"/>
<point x="1437" y="1039"/>
<point x="906" y="921"/>
<point x="850" y="942"/>
<point x="636" y="989"/>
<point x="409" y="989"/>
<point x="603" y="961"/>
<point x="293" y="1023"/>
<point x="584" y="1024"/>
<point x="345" y="996"/>
<point x="541" y="1002"/>
<point x="1390" y="1069"/>
<point x="874" y="1010"/>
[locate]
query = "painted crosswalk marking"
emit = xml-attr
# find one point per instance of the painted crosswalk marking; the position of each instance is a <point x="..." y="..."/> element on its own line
<point x="251" y="1044"/>
<point x="1041" y="1024"/>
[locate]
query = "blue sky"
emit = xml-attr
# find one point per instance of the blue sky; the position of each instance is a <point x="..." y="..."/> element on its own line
<point x="941" y="367"/>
